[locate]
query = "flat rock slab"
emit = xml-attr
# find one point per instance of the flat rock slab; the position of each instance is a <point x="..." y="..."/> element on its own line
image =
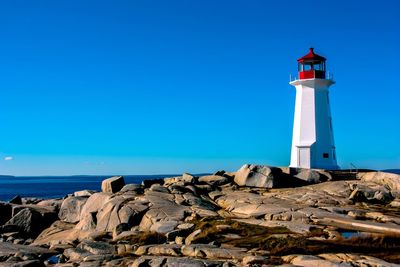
<point x="76" y="254"/>
<point x="28" y="263"/>
<point x="312" y="261"/>
<point x="336" y="260"/>
<point x="9" y="249"/>
<point x="213" y="252"/>
<point x="214" y="180"/>
<point x="97" y="247"/>
<point x="175" y="262"/>
<point x="163" y="227"/>
<point x="159" y="250"/>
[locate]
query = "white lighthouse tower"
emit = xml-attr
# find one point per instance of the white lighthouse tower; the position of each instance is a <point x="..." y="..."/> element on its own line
<point x="313" y="144"/>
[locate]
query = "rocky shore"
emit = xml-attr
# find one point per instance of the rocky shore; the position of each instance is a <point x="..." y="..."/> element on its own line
<point x="257" y="216"/>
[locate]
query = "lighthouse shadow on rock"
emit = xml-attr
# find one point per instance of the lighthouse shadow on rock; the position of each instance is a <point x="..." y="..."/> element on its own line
<point x="313" y="144"/>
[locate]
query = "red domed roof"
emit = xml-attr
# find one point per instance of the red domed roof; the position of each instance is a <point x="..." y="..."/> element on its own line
<point x="311" y="56"/>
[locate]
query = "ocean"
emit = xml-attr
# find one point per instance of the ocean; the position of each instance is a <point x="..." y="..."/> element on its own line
<point x="58" y="186"/>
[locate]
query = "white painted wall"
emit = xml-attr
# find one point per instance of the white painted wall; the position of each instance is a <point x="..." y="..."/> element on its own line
<point x="312" y="127"/>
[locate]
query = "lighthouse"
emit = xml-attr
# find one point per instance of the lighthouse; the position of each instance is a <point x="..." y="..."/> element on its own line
<point x="313" y="145"/>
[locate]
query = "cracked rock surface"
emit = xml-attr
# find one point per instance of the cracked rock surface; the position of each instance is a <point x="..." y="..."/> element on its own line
<point x="257" y="216"/>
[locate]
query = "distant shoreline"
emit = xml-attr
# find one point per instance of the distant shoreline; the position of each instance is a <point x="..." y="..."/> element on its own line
<point x="46" y="187"/>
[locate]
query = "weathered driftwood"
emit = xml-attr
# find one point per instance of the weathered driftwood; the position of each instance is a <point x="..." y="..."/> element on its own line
<point x="365" y="226"/>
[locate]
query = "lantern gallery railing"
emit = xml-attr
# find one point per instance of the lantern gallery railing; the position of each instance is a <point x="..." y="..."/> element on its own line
<point x="327" y="75"/>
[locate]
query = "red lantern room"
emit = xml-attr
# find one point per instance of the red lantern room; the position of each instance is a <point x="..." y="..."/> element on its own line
<point x="311" y="66"/>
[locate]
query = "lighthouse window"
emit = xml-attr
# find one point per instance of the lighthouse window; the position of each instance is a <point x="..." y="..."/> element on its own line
<point x="325" y="155"/>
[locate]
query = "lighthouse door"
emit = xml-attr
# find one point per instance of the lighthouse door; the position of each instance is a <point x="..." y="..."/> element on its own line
<point x="304" y="157"/>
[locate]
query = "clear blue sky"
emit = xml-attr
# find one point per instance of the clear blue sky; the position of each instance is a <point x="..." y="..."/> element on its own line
<point x="144" y="87"/>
